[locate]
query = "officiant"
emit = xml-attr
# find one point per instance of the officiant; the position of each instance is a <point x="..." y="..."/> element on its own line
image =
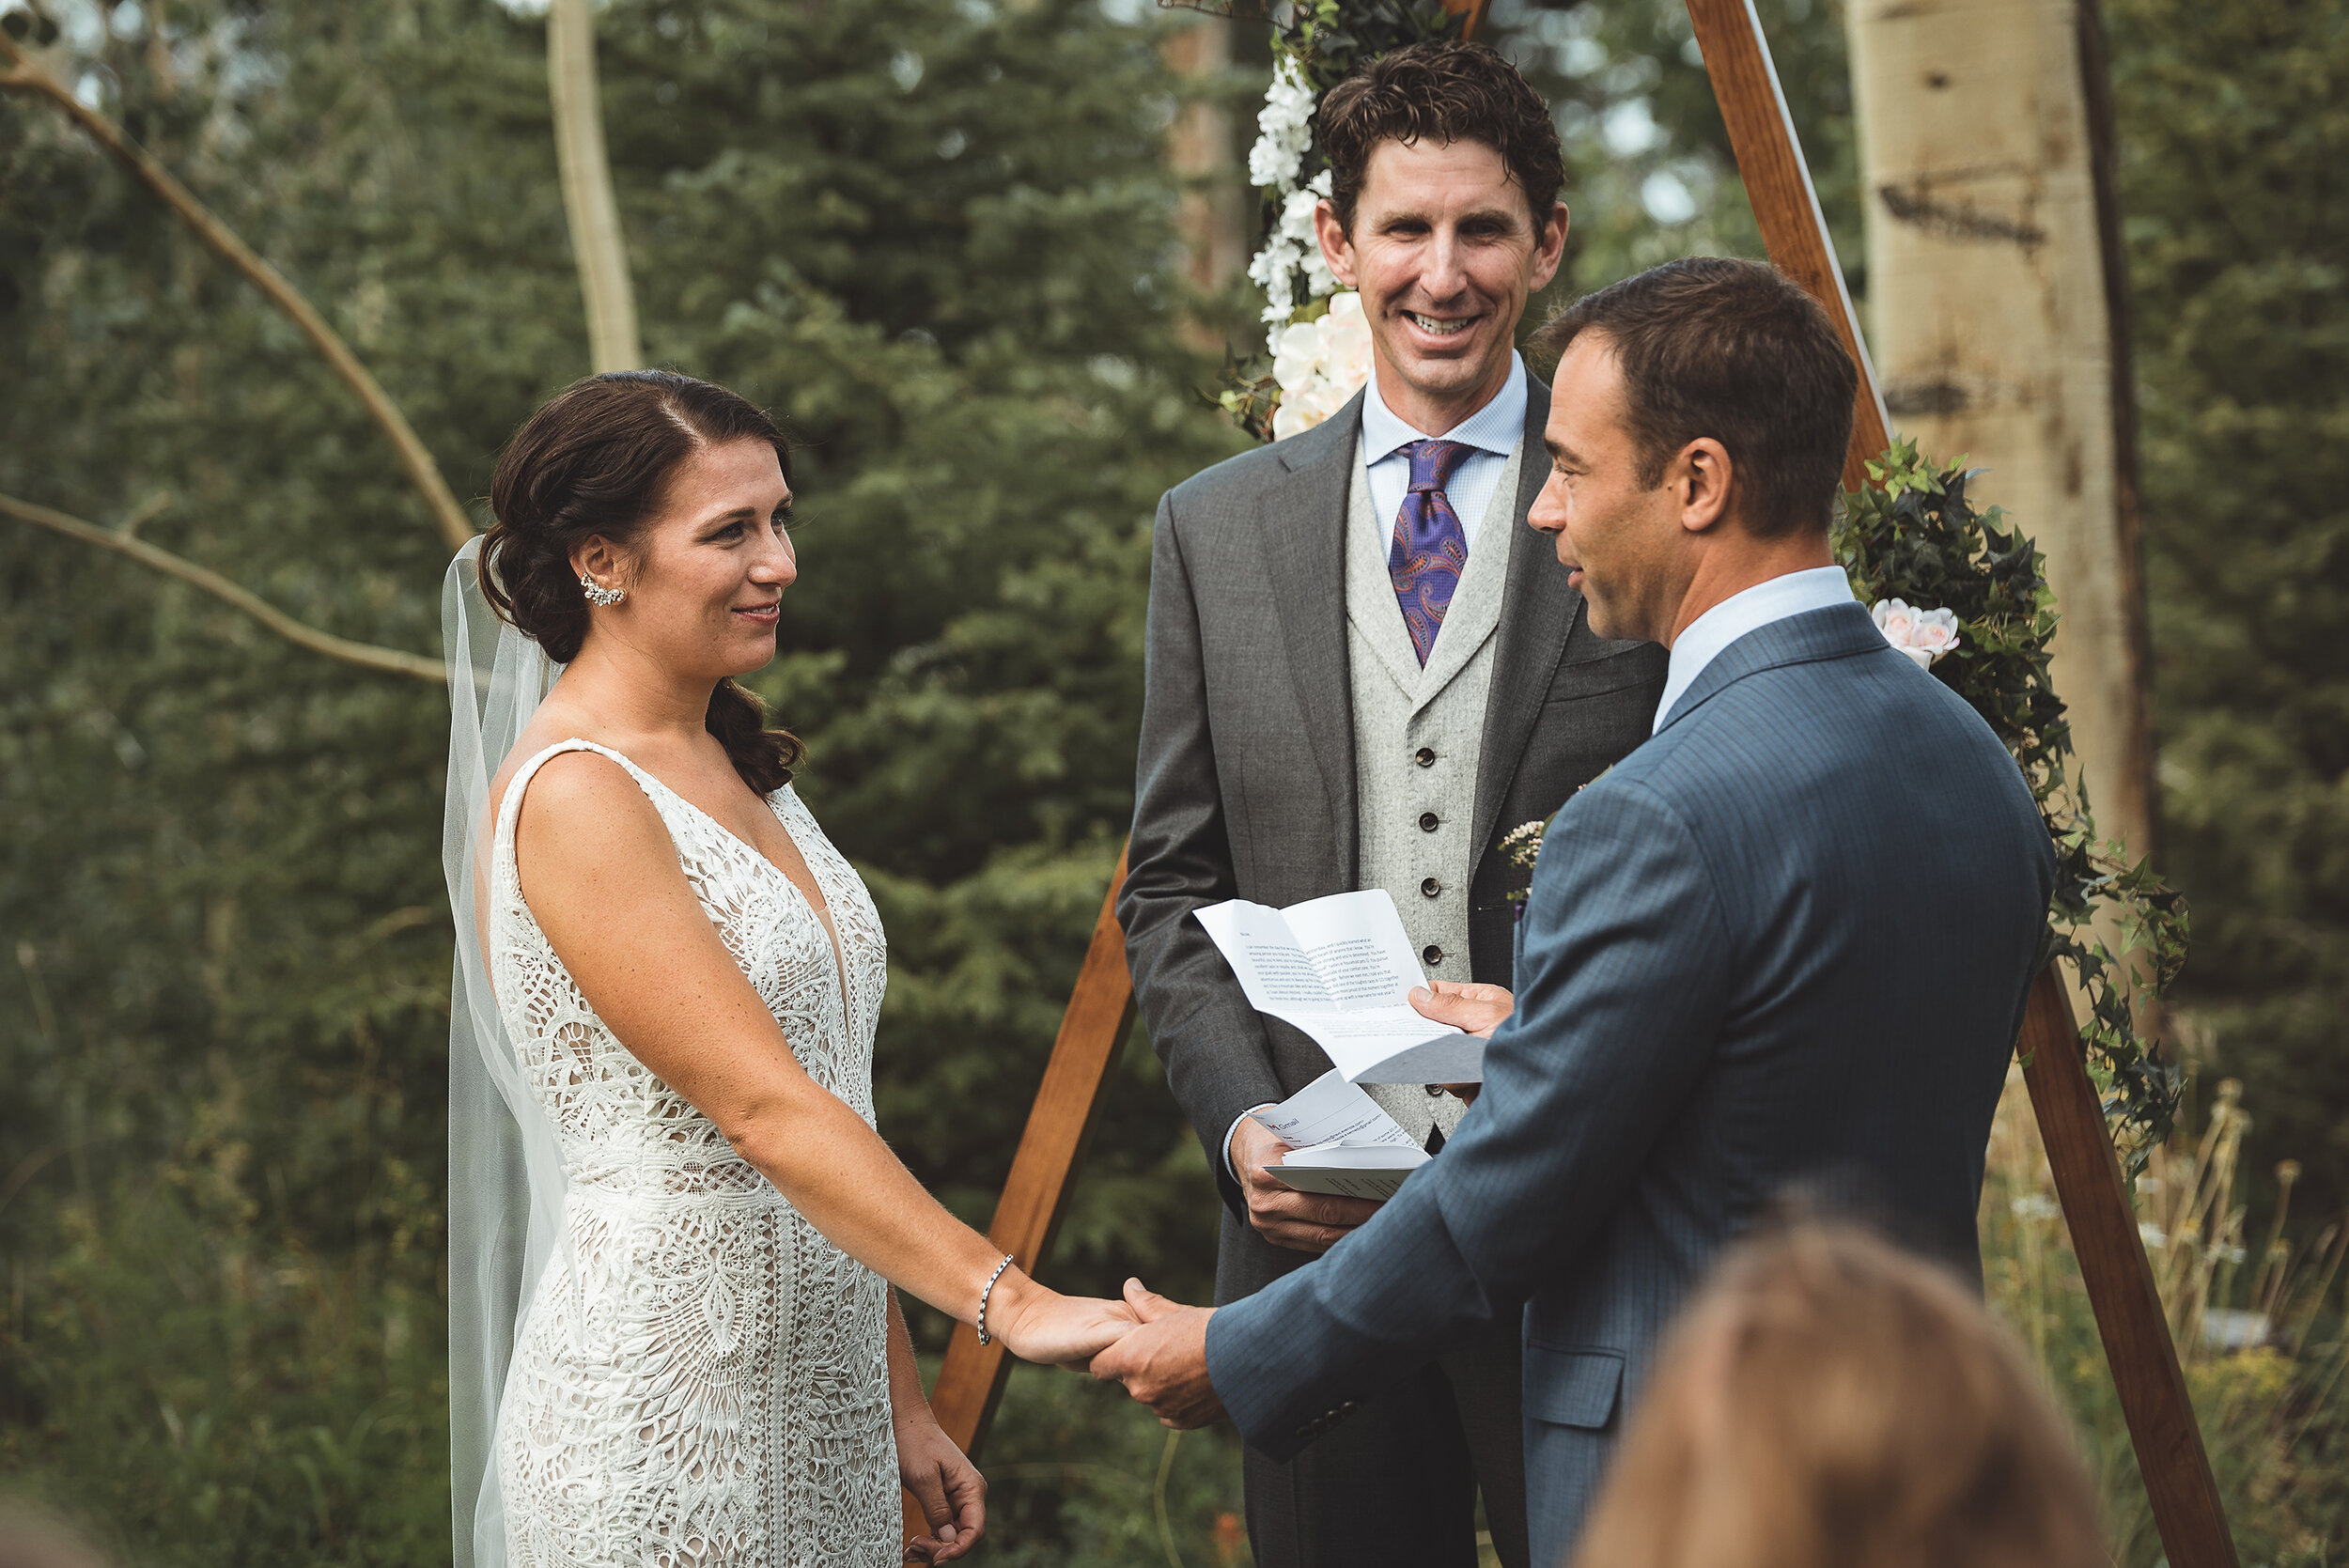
<point x="1362" y="669"/>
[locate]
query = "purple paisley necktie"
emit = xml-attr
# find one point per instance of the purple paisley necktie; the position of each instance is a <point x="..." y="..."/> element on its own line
<point x="1430" y="547"/>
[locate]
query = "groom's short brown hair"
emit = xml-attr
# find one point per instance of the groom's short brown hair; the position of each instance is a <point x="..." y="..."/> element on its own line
<point x="1440" y="91"/>
<point x="1736" y="351"/>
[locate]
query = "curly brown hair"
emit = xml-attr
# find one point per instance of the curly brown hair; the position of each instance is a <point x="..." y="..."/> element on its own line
<point x="1441" y="91"/>
<point x="596" y="460"/>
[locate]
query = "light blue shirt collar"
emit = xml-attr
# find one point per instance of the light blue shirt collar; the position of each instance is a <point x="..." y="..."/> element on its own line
<point x="1707" y="636"/>
<point x="1495" y="428"/>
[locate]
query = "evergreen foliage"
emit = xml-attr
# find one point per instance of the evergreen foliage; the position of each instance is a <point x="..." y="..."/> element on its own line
<point x="937" y="238"/>
<point x="1913" y="536"/>
<point x="2234" y="187"/>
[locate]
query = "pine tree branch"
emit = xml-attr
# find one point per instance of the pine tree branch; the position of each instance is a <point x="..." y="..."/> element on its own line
<point x="23" y="74"/>
<point x="122" y="543"/>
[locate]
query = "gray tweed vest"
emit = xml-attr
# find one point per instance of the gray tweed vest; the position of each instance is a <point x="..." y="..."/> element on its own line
<point x="1418" y="736"/>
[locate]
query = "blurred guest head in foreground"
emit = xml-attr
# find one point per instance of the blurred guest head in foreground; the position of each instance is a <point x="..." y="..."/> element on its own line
<point x="30" y="1538"/>
<point x="1829" y="1399"/>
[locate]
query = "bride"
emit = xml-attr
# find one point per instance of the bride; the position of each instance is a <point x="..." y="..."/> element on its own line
<point x="673" y="1225"/>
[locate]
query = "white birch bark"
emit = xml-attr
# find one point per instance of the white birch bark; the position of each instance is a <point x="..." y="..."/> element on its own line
<point x="589" y="203"/>
<point x="1993" y="332"/>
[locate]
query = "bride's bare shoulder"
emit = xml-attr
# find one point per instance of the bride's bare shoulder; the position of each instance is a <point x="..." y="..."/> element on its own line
<point x="580" y="788"/>
<point x="587" y="829"/>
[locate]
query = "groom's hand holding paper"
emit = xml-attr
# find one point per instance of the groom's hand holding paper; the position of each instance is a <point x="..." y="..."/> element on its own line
<point x="1341" y="969"/>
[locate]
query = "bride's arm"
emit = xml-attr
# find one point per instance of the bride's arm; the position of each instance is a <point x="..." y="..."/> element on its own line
<point x="601" y="876"/>
<point x="942" y="1480"/>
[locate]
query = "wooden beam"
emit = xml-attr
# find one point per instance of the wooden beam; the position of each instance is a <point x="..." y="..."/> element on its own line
<point x="1475" y="10"/>
<point x="1035" y="1194"/>
<point x="2138" y="1346"/>
<point x="1778" y="183"/>
<point x="2111" y="1253"/>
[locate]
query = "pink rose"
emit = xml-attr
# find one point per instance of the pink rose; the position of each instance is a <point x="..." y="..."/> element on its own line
<point x="1924" y="636"/>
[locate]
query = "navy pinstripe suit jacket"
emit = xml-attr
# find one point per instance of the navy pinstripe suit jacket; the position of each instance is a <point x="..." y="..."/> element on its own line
<point x="1786" y="940"/>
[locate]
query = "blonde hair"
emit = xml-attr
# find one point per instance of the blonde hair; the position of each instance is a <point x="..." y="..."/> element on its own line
<point x="1830" y="1402"/>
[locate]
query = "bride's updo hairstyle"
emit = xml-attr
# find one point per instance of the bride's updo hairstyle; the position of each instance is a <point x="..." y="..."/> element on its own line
<point x="597" y="460"/>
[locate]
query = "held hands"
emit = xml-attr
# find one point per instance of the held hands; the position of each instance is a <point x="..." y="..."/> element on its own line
<point x="1158" y="1348"/>
<point x="1163" y="1363"/>
<point x="1300" y="1221"/>
<point x="1040" y="1325"/>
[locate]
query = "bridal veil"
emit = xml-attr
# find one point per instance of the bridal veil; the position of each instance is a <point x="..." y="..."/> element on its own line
<point x="505" y="1174"/>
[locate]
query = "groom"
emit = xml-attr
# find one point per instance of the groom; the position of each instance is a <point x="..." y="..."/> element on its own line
<point x="1787" y="940"/>
<point x="1362" y="670"/>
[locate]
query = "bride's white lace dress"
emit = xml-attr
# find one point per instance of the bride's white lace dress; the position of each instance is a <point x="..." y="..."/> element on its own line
<point x="701" y="1381"/>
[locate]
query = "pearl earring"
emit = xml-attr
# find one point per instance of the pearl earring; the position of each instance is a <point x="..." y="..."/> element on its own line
<point x="599" y="594"/>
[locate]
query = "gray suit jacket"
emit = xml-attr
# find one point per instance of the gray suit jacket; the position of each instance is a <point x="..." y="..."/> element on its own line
<point x="1246" y="782"/>
<point x="1787" y="940"/>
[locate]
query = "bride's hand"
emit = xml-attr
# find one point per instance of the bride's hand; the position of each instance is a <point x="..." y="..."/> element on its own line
<point x="1040" y="1325"/>
<point x="949" y="1488"/>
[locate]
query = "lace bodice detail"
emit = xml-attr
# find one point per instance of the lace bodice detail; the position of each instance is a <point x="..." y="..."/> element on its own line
<point x="701" y="1381"/>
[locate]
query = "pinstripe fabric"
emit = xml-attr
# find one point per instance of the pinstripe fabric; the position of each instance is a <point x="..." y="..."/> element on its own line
<point x="1787" y="940"/>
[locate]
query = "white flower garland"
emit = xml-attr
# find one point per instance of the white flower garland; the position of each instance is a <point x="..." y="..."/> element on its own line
<point x="1284" y="131"/>
<point x="1319" y="365"/>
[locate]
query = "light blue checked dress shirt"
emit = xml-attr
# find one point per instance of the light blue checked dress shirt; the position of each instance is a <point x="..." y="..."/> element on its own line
<point x="1493" y="430"/>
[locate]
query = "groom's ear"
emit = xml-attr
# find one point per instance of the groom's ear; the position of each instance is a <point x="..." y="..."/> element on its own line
<point x="1337" y="246"/>
<point x="1699" y="478"/>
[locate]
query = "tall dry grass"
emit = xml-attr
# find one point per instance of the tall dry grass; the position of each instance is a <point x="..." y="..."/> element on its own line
<point x="2259" y="1327"/>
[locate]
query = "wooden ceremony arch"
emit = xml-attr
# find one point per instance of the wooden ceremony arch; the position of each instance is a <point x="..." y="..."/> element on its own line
<point x="2120" y="1280"/>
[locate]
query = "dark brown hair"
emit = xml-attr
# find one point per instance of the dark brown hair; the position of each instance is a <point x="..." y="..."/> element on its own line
<point x="596" y="460"/>
<point x="1734" y="350"/>
<point x="1829" y="1399"/>
<point x="1444" y="92"/>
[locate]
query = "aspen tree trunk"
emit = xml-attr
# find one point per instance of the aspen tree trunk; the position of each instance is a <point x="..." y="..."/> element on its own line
<point x="1202" y="154"/>
<point x="589" y="204"/>
<point x="1998" y="322"/>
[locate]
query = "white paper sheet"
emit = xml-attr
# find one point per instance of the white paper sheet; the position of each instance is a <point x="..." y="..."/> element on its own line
<point x="1342" y="970"/>
<point x="1329" y="1110"/>
<point x="1341" y="1142"/>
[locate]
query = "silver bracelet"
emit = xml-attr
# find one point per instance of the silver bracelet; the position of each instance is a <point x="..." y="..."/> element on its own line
<point x="988" y="1290"/>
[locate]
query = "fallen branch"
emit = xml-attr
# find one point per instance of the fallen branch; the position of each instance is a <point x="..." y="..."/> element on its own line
<point x="26" y="75"/>
<point x="123" y="543"/>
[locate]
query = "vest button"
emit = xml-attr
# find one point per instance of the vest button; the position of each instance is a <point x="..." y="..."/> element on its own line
<point x="1428" y="820"/>
<point x="1431" y="886"/>
<point x="1425" y="756"/>
<point x="1433" y="953"/>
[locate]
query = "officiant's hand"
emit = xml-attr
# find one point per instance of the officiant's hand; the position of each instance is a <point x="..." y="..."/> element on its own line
<point x="1164" y="1362"/>
<point x="1300" y="1221"/>
<point x="1464" y="1004"/>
